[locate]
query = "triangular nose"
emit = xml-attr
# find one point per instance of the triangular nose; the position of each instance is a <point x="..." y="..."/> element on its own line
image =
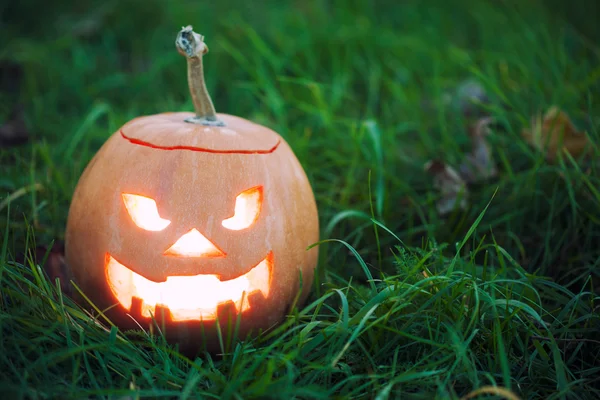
<point x="194" y="244"/>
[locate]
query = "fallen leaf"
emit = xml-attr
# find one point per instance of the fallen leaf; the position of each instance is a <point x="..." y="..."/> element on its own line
<point x="55" y="265"/>
<point x="479" y="163"/>
<point x="469" y="97"/>
<point x="14" y="131"/>
<point x="555" y="132"/>
<point x="453" y="189"/>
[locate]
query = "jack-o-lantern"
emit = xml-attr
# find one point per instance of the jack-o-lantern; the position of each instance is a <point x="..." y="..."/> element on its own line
<point x="198" y="221"/>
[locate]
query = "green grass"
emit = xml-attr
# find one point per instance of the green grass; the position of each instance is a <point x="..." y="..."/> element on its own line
<point x="407" y="303"/>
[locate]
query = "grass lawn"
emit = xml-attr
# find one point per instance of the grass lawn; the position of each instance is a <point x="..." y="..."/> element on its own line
<point x="500" y="296"/>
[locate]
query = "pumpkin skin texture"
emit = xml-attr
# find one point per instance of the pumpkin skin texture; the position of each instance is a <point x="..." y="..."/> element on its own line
<point x="194" y="173"/>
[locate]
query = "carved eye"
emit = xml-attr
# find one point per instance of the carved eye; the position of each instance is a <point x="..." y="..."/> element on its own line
<point x="247" y="209"/>
<point x="144" y="213"/>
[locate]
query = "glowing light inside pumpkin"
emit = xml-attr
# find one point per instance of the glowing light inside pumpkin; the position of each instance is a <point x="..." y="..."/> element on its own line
<point x="187" y="297"/>
<point x="247" y="209"/>
<point x="194" y="244"/>
<point x="144" y="213"/>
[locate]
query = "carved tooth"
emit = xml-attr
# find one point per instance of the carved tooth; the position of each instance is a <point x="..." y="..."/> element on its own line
<point x="137" y="306"/>
<point x="255" y="300"/>
<point x="162" y="314"/>
<point x="227" y="311"/>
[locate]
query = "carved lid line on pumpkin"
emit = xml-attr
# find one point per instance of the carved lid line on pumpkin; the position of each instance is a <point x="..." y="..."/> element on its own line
<point x="200" y="149"/>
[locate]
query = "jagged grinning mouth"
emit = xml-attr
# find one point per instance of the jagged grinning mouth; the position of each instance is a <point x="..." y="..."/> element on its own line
<point x="187" y="297"/>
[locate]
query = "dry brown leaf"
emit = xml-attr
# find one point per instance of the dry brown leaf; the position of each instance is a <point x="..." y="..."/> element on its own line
<point x="55" y="265"/>
<point x="452" y="187"/>
<point x="479" y="163"/>
<point x="14" y="131"/>
<point x="555" y="132"/>
<point x="470" y="98"/>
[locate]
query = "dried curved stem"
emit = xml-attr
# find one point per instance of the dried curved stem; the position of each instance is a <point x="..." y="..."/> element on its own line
<point x="192" y="46"/>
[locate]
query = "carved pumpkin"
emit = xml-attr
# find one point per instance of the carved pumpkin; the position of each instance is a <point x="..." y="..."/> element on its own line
<point x="195" y="220"/>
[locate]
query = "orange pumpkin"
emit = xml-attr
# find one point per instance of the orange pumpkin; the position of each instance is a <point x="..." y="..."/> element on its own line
<point x="194" y="220"/>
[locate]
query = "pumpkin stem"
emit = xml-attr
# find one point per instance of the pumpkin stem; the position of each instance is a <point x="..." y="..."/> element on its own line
<point x="192" y="46"/>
